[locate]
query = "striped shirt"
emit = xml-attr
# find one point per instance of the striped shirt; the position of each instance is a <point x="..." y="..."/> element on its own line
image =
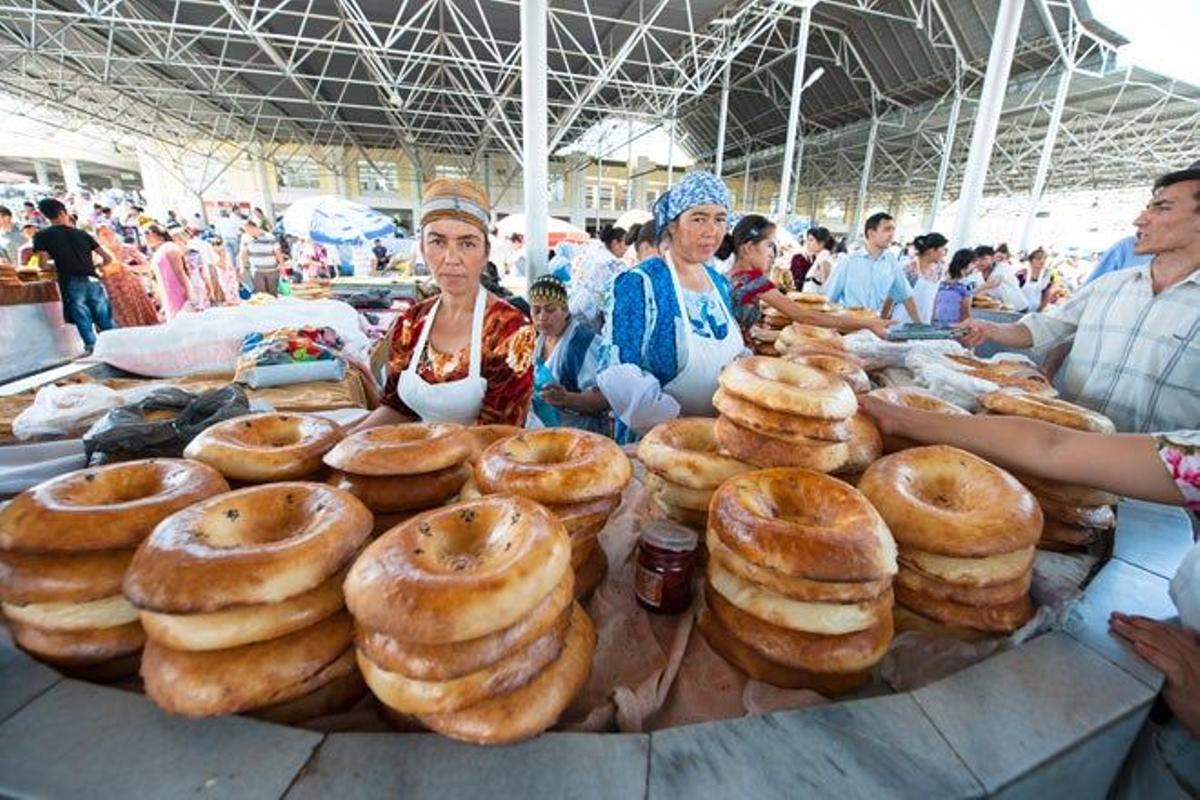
<point x="1135" y="357"/>
<point x="260" y="252"/>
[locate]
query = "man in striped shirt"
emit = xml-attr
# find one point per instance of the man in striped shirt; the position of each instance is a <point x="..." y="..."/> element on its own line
<point x="1136" y="354"/>
<point x="261" y="257"/>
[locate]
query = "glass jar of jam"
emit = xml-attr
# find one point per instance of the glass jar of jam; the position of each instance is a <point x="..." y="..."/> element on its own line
<point x="666" y="560"/>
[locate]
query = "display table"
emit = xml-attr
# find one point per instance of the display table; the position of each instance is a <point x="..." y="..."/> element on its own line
<point x="1057" y="713"/>
<point x="33" y="336"/>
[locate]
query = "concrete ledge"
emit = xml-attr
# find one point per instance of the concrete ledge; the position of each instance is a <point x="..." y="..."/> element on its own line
<point x="368" y="765"/>
<point x="1053" y="717"/>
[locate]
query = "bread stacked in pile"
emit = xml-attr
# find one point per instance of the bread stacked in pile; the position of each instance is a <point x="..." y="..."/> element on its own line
<point x="400" y="470"/>
<point x="1076" y="517"/>
<point x="684" y="466"/>
<point x="798" y="590"/>
<point x="966" y="532"/>
<point x="241" y="599"/>
<point x="264" y="448"/>
<point x="8" y="275"/>
<point x="466" y="620"/>
<point x="64" y="548"/>
<point x="776" y="413"/>
<point x="767" y="332"/>
<point x="576" y="475"/>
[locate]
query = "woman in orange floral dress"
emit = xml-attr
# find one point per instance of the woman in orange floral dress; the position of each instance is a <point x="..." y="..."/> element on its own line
<point x="465" y="356"/>
<point x="131" y="304"/>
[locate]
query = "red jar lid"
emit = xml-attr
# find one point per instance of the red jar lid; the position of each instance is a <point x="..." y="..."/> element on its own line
<point x="669" y="536"/>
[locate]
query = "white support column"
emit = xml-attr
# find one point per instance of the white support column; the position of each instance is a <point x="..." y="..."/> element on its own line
<point x="746" y="183"/>
<point x="799" y="162"/>
<point x="987" y="118"/>
<point x="534" y="131"/>
<point x="793" y="129"/>
<point x="418" y="190"/>
<point x="864" y="182"/>
<point x="41" y="171"/>
<point x="721" y="121"/>
<point x="340" y="184"/>
<point x="944" y="170"/>
<point x="70" y="171"/>
<point x="671" y="152"/>
<point x="576" y="180"/>
<point x="1043" y="168"/>
<point x="629" y="205"/>
<point x="599" y="185"/>
<point x="264" y="187"/>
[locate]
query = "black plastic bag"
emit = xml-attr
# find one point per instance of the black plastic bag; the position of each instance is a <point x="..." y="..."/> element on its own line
<point x="125" y="433"/>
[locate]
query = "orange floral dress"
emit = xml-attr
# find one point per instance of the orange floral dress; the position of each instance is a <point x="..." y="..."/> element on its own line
<point x="506" y="364"/>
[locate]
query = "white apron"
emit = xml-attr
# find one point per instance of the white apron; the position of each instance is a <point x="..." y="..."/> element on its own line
<point x="924" y="293"/>
<point x="702" y="358"/>
<point x="453" y="401"/>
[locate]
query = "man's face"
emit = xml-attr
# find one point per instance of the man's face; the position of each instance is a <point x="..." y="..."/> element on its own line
<point x="984" y="262"/>
<point x="883" y="234"/>
<point x="1170" y="221"/>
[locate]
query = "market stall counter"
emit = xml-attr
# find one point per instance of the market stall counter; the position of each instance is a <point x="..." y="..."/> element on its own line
<point x="33" y="335"/>
<point x="1057" y="712"/>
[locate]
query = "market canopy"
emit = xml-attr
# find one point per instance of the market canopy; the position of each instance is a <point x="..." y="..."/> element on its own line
<point x="335" y="220"/>
<point x="436" y="77"/>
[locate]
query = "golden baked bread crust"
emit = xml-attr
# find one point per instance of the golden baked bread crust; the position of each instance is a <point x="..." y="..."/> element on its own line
<point x="459" y="572"/>
<point x="766" y="451"/>
<point x="258" y="545"/>
<point x="388" y="494"/>
<point x="216" y="682"/>
<point x="554" y="465"/>
<point x="414" y="448"/>
<point x="532" y="708"/>
<point x="804" y="524"/>
<point x="685" y="451"/>
<point x="104" y="508"/>
<point x="61" y="577"/>
<point x="791" y="388"/>
<point x="944" y="500"/>
<point x="266" y="447"/>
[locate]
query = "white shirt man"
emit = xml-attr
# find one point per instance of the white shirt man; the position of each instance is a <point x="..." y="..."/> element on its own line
<point x="1135" y="355"/>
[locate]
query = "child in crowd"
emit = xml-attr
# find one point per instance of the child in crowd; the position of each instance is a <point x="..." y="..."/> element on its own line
<point x="952" y="303"/>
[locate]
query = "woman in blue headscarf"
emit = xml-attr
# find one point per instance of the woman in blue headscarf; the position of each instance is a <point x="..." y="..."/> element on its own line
<point x="670" y="327"/>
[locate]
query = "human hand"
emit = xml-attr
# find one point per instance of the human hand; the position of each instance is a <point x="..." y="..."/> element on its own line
<point x="976" y="331"/>
<point x="879" y="327"/>
<point x="1175" y="652"/>
<point x="556" y="395"/>
<point x="888" y="417"/>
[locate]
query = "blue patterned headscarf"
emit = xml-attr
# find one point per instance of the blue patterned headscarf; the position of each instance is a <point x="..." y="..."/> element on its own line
<point x="696" y="189"/>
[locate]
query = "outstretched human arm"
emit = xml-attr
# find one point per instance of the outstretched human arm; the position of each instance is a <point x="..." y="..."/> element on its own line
<point x="1122" y="463"/>
<point x="798" y="313"/>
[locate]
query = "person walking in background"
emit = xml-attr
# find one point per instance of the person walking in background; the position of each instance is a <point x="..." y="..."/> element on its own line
<point x="873" y="279"/>
<point x="166" y="259"/>
<point x="927" y="269"/>
<point x="261" y="257"/>
<point x="818" y="246"/>
<point x="85" y="303"/>
<point x="131" y="305"/>
<point x="952" y="303"/>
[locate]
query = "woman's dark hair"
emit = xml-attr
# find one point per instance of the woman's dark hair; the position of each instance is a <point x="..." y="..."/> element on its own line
<point x="823" y="236"/>
<point x="631" y="236"/>
<point x="648" y="234"/>
<point x="726" y="248"/>
<point x="930" y="241"/>
<point x="961" y="260"/>
<point x="752" y="229"/>
<point x="159" y="231"/>
<point x="1038" y="251"/>
<point x="610" y="234"/>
